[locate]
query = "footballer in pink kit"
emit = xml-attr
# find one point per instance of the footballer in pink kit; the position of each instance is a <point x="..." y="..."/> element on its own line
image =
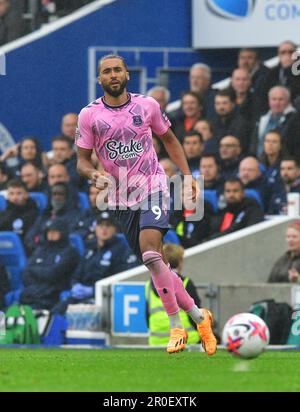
<point x="119" y="127"/>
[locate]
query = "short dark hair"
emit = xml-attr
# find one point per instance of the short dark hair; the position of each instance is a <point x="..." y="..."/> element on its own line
<point x="193" y="133"/>
<point x="17" y="183"/>
<point x="249" y="49"/>
<point x="229" y="92"/>
<point x="290" y="158"/>
<point x="31" y="163"/>
<point x="63" y="139"/>
<point x="234" y="180"/>
<point x="211" y="155"/>
<point x="194" y="94"/>
<point x="112" y="56"/>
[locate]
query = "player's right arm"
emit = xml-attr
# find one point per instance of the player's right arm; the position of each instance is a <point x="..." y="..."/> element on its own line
<point x="86" y="168"/>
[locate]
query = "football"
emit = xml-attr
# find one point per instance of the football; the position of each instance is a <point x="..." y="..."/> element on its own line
<point x="245" y="335"/>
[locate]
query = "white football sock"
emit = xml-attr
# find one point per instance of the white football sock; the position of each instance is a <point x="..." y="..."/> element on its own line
<point x="196" y="314"/>
<point x="175" y="321"/>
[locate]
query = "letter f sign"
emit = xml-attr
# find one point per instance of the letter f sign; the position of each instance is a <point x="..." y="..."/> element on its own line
<point x="128" y="310"/>
<point x="2" y="65"/>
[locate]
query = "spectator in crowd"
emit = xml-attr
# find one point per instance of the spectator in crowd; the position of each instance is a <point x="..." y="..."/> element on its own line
<point x="4" y="285"/>
<point x="287" y="268"/>
<point x="200" y="83"/>
<point x="192" y="233"/>
<point x="249" y="59"/>
<point x="21" y="211"/>
<point x="272" y="154"/>
<point x="69" y="126"/>
<point x="246" y="101"/>
<point x="191" y="112"/>
<point x="193" y="147"/>
<point x="228" y="121"/>
<point x="211" y="145"/>
<point x="239" y="213"/>
<point x="86" y="225"/>
<point x="58" y="207"/>
<point x="109" y="256"/>
<point x="50" y="268"/>
<point x="230" y="155"/>
<point x="290" y="174"/>
<point x="28" y="150"/>
<point x="58" y="173"/>
<point x="11" y="22"/>
<point x="33" y="177"/>
<point x="283" y="74"/>
<point x="157" y="319"/>
<point x="63" y="153"/>
<point x="210" y="170"/>
<point x="271" y="191"/>
<point x="169" y="167"/>
<point x="281" y="113"/>
<point x="161" y="95"/>
<point x="4" y="176"/>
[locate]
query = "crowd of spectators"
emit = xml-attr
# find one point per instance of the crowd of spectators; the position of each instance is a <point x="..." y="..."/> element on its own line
<point x="243" y="140"/>
<point x="19" y="17"/>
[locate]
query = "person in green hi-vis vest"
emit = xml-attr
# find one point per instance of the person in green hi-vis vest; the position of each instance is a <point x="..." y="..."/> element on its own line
<point x="157" y="319"/>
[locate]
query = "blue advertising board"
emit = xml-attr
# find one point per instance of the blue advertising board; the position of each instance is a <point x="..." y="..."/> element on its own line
<point x="129" y="308"/>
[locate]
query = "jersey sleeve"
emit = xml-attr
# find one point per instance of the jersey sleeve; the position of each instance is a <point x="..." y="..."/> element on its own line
<point x="84" y="132"/>
<point x="160" y="122"/>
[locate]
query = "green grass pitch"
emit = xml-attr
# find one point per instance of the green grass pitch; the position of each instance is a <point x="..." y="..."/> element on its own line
<point x="141" y="370"/>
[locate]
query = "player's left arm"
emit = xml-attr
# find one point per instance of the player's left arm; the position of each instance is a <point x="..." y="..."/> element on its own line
<point x="177" y="155"/>
<point x="175" y="151"/>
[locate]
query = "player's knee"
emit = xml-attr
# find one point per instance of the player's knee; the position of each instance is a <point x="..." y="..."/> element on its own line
<point x="150" y="258"/>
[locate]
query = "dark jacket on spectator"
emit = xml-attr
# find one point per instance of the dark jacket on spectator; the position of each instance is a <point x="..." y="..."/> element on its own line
<point x="49" y="270"/>
<point x="244" y="214"/>
<point x="35" y="236"/>
<point x="192" y="233"/>
<point x="230" y="168"/>
<point x="19" y="219"/>
<point x="11" y="25"/>
<point x="4" y="285"/>
<point x="101" y="262"/>
<point x="79" y="182"/>
<point x="234" y="125"/>
<point x="280" y="270"/>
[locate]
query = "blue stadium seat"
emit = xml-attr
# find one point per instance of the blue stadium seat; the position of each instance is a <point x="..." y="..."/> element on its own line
<point x="211" y="197"/>
<point x="40" y="199"/>
<point x="77" y="242"/>
<point x="3" y="203"/>
<point x="252" y="193"/>
<point x="83" y="201"/>
<point x="171" y="237"/>
<point x="13" y="257"/>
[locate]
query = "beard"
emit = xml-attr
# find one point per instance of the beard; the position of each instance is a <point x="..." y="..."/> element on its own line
<point x="115" y="92"/>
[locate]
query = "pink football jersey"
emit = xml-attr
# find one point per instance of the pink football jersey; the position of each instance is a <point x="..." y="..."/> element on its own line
<point x="122" y="139"/>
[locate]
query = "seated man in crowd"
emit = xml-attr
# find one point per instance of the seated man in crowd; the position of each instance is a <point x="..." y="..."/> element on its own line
<point x="287" y="267"/>
<point x="271" y="191"/>
<point x="290" y="174"/>
<point x="281" y="116"/>
<point x="21" y="211"/>
<point x="50" y="268"/>
<point x="58" y="207"/>
<point x="157" y="319"/>
<point x="193" y="148"/>
<point x="33" y="177"/>
<point x="185" y="120"/>
<point x="228" y="122"/>
<point x="239" y="213"/>
<point x="58" y="173"/>
<point x="210" y="170"/>
<point x="249" y="59"/>
<point x="4" y="285"/>
<point x="109" y="256"/>
<point x="230" y="155"/>
<point x="63" y="153"/>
